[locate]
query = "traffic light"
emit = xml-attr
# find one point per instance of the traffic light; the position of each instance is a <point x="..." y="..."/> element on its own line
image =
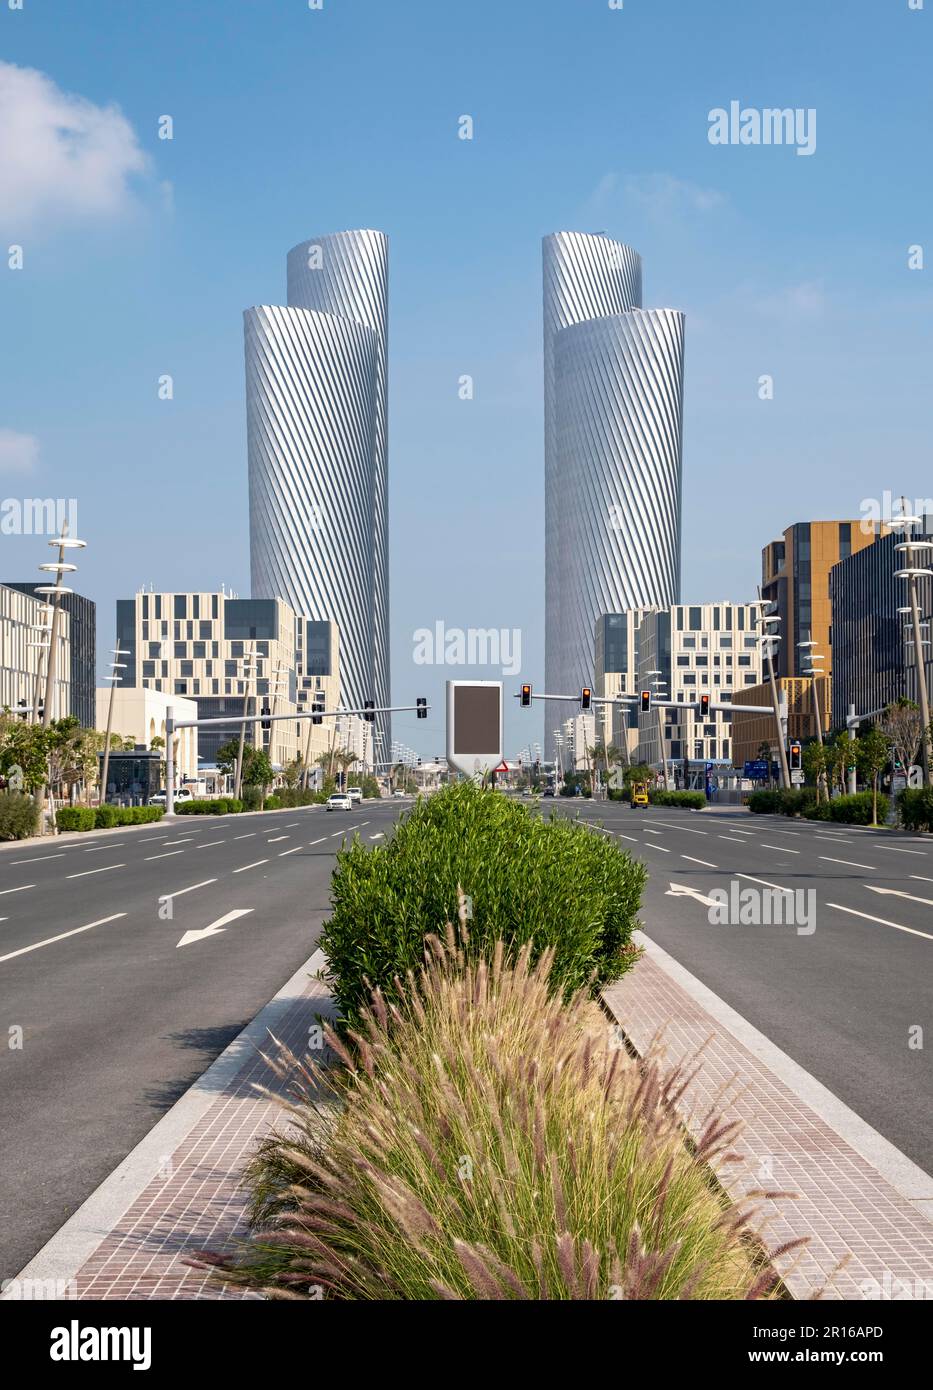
<point x="369" y="706"/>
<point x="704" y="707"/>
<point x="265" y="722"/>
<point x="526" y="696"/>
<point x="316" y="709"/>
<point x="586" y="696"/>
<point x="645" y="701"/>
<point x="419" y="762"/>
<point x="422" y="707"/>
<point x="795" y="757"/>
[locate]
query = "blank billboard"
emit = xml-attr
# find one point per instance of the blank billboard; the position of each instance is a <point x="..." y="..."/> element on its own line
<point x="477" y="727"/>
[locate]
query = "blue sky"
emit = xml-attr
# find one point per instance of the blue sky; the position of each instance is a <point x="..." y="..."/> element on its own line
<point x="290" y="122"/>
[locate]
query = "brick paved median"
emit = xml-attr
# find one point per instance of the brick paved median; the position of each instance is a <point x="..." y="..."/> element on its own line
<point x="853" y="1214"/>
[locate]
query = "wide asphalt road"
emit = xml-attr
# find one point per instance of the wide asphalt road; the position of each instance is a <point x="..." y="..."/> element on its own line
<point x="846" y="999"/>
<point x="118" y="1012"/>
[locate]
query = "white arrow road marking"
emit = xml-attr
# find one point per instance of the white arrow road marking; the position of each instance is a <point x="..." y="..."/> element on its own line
<point x="380" y="836"/>
<point x="851" y="862"/>
<point x="24" y="950"/>
<point x="883" y="920"/>
<point x="215" y="927"/>
<point x="683" y="890"/>
<point x="898" y="893"/>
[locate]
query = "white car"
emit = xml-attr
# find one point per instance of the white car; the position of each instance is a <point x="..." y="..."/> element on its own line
<point x="355" y="794"/>
<point x="183" y="794"/>
<point x="338" y="802"/>
<point x="398" y="792"/>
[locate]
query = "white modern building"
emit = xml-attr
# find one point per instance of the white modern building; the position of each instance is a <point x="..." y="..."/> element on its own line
<point x="613" y="420"/>
<point x="698" y="649"/>
<point x="139" y="713"/>
<point x="24" y="635"/>
<point x="317" y="430"/>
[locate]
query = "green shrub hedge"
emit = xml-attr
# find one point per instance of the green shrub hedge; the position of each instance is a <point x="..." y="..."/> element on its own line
<point x="692" y="801"/>
<point x="549" y="882"/>
<point x="285" y="798"/>
<point x="915" y="808"/>
<point x="850" y="810"/>
<point x="19" y="815"/>
<point x="105" y="817"/>
<point x="215" y="806"/>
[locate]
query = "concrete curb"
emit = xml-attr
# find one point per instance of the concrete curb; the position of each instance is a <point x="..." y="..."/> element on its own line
<point x="61" y="1258"/>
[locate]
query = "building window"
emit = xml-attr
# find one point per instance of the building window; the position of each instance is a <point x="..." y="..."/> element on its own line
<point x="690" y="679"/>
<point x="200" y="651"/>
<point x="683" y="661"/>
<point x="702" y="660"/>
<point x="725" y="643"/>
<point x="696" y="619"/>
<point x="187" y="668"/>
<point x="751" y="679"/>
<point x="205" y="630"/>
<point x="689" y="644"/>
<point x="149" y="670"/>
<point x="181" y="610"/>
<point x="180" y="650"/>
<point x="181" y="687"/>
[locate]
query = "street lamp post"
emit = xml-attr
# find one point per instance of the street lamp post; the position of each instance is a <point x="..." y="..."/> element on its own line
<point x="766" y="639"/>
<point x="114" y="678"/>
<point x="238" y="781"/>
<point x="812" y="656"/>
<point x="58" y="568"/>
<point x="912" y="572"/>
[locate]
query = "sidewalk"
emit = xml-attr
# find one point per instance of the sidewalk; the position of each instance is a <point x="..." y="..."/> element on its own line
<point x="178" y="1191"/>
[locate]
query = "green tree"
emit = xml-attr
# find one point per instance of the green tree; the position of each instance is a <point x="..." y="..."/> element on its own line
<point x="257" y="769"/>
<point x="872" y="755"/>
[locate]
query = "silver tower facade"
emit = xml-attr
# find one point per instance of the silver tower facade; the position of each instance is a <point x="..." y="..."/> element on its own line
<point x="317" y="391"/>
<point x="613" y="409"/>
<point x="347" y="274"/>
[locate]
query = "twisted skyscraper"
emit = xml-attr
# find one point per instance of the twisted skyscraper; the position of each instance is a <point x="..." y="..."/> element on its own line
<point x="316" y="397"/>
<point x="613" y="407"/>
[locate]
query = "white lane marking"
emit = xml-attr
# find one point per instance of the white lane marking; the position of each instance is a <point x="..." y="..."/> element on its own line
<point x="731" y="839"/>
<point x="795" y="833"/>
<point x="186" y="839"/>
<point x="363" y="822"/>
<point x="21" y="889"/>
<point x="274" y="839"/>
<point x="100" y="848"/>
<point x="215" y="927"/>
<point x="211" y="843"/>
<point x="251" y="866"/>
<point x="752" y="879"/>
<point x="883" y="920"/>
<point x="672" y="825"/>
<point x="836" y="839"/>
<point x="705" y="862"/>
<point x="318" y="842"/>
<point x="24" y="950"/>
<point x="38" y="859"/>
<point x="338" y="832"/>
<point x="781" y="849"/>
<point x="850" y="862"/>
<point x="283" y="852"/>
<point x="151" y="839"/>
<point x="627" y="837"/>
<point x="922" y="877"/>
<point x="683" y="890"/>
<point x="653" y="832"/>
<point x="105" y="870"/>
<point x="898" y="893"/>
<point x="168" y="855"/>
<point x="180" y="892"/>
<point x="380" y="836"/>
<point x="892" y="850"/>
<point x="652" y="845"/>
<point x="742" y="832"/>
<point x="291" y="824"/>
<point x="248" y="836"/>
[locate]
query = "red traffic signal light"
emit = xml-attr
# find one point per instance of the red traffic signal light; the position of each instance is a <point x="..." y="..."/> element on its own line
<point x="645" y="701"/>
<point x="586" y="696"/>
<point x="526" y="696"/>
<point x="704" y="706"/>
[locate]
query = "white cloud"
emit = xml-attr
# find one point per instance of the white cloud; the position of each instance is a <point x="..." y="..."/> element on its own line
<point x="663" y="196"/>
<point x="19" y="453"/>
<point x="61" y="157"/>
